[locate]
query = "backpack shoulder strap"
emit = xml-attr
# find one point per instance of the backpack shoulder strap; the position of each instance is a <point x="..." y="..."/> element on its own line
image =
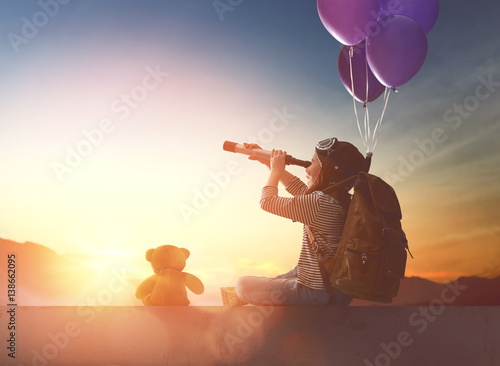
<point x="314" y="245"/>
<point x="324" y="272"/>
<point x="342" y="184"/>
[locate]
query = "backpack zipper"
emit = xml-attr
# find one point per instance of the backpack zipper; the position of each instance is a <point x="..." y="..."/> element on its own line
<point x="364" y="257"/>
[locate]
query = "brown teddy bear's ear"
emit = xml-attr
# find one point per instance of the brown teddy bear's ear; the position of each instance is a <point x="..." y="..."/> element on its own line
<point x="186" y="252"/>
<point x="149" y="254"/>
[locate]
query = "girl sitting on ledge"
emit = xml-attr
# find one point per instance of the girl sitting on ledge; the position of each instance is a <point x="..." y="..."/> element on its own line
<point x="333" y="161"/>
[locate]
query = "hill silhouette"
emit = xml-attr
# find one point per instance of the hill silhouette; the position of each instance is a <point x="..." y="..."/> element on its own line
<point x="465" y="291"/>
<point x="45" y="278"/>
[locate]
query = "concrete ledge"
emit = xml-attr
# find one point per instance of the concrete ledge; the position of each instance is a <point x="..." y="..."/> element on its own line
<point x="251" y="335"/>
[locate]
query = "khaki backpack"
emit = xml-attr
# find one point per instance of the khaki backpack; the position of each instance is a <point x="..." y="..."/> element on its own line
<point x="371" y="256"/>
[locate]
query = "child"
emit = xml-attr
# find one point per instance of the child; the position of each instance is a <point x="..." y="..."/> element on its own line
<point x="325" y="215"/>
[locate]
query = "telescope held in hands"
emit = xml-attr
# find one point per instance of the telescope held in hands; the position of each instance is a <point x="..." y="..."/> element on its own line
<point x="261" y="154"/>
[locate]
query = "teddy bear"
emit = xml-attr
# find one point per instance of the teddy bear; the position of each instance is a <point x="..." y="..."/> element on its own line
<point x="168" y="285"/>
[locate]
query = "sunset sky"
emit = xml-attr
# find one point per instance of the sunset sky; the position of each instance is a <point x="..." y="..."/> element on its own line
<point x="113" y="115"/>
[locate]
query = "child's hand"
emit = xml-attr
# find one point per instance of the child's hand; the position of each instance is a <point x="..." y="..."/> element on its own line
<point x="255" y="146"/>
<point x="278" y="161"/>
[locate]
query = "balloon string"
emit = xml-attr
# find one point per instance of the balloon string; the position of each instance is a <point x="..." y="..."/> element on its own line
<point x="367" y="114"/>
<point x="363" y="137"/>
<point x="376" y="130"/>
<point x="367" y="128"/>
<point x="379" y="122"/>
<point x="366" y="75"/>
<point x="368" y="137"/>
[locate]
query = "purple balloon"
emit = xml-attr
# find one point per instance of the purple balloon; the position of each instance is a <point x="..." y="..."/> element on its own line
<point x="425" y="12"/>
<point x="396" y="50"/>
<point x="359" y="66"/>
<point x="349" y="21"/>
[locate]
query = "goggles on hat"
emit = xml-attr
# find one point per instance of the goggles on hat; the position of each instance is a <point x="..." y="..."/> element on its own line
<point x="327" y="146"/>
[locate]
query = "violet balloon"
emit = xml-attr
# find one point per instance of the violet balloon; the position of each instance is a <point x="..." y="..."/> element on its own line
<point x="425" y="12"/>
<point x="359" y="68"/>
<point x="396" y="50"/>
<point x="349" y="21"/>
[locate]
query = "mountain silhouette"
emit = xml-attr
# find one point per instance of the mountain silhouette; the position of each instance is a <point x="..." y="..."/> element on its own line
<point x="45" y="278"/>
<point x="465" y="291"/>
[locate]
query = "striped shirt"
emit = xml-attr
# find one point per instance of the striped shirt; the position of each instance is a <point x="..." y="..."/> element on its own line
<point x="322" y="213"/>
